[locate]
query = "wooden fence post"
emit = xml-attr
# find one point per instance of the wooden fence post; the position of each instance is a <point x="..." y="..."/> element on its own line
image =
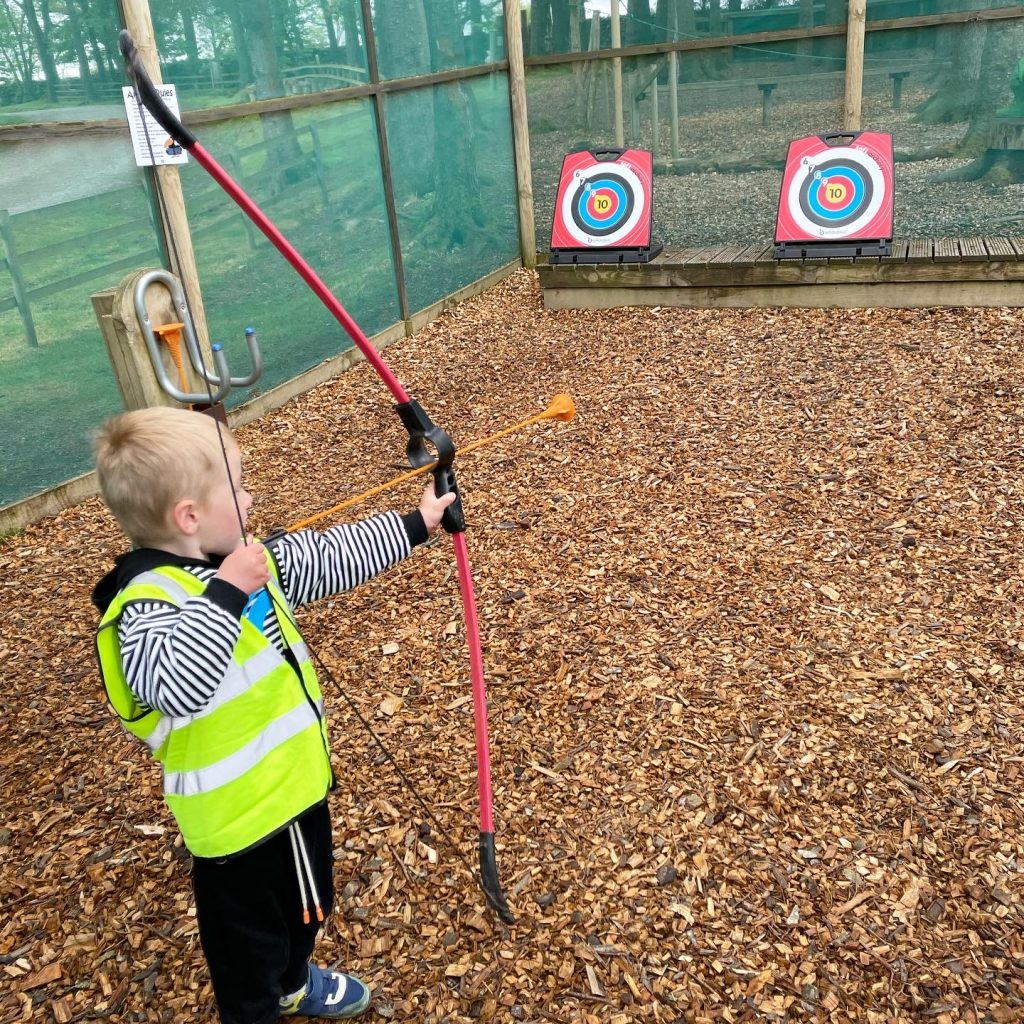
<point x="617" y="74"/>
<point x="856" y="14"/>
<point x="520" y="133"/>
<point x="21" y="299"/>
<point x="138" y="21"/>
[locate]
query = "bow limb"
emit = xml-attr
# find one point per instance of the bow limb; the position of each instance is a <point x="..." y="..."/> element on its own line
<point x="424" y="437"/>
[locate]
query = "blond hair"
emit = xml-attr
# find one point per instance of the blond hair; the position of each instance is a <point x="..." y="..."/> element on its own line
<point x="149" y="459"/>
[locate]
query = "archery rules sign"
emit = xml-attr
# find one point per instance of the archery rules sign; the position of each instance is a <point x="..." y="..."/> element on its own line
<point x="152" y="145"/>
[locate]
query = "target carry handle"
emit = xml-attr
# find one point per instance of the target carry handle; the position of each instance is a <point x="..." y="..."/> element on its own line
<point x="833" y="138"/>
<point x="615" y="151"/>
<point x="148" y="94"/>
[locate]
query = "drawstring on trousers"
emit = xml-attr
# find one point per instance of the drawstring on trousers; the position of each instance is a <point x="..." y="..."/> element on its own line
<point x="304" y="873"/>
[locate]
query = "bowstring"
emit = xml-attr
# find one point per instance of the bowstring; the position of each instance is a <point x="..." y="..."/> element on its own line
<point x="281" y="607"/>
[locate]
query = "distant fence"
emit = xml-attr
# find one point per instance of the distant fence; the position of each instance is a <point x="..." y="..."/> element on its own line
<point x="302" y="78"/>
<point x="16" y="261"/>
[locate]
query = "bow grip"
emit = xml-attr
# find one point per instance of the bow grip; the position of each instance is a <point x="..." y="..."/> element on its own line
<point x="424" y="435"/>
<point x="453" y="519"/>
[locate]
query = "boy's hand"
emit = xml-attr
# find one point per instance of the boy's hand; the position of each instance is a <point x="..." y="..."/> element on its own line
<point x="432" y="508"/>
<point x="246" y="567"/>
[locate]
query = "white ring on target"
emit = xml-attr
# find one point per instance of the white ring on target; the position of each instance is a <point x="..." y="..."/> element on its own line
<point x="595" y="171"/>
<point x="864" y="162"/>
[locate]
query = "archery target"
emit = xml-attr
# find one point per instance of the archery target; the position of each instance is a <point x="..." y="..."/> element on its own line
<point x="603" y="203"/>
<point x="837" y="192"/>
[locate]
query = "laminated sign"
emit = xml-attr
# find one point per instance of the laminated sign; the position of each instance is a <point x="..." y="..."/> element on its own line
<point x="151" y="143"/>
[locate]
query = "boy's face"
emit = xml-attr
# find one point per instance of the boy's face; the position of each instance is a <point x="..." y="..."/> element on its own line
<point x="219" y="531"/>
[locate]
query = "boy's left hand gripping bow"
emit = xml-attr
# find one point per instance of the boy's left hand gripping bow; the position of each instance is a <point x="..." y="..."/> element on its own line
<point x="423" y="435"/>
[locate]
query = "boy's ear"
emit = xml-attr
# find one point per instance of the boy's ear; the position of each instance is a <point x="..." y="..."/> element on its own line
<point x="184" y="516"/>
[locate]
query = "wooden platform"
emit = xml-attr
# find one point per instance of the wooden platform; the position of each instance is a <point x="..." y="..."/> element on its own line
<point x="919" y="273"/>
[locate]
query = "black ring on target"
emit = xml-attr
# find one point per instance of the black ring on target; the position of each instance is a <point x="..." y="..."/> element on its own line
<point x="866" y="190"/>
<point x="621" y="187"/>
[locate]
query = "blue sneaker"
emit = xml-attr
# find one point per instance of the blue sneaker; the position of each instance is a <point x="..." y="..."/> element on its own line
<point x="327" y="994"/>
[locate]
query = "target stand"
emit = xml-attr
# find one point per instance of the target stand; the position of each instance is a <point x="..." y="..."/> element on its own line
<point x="836" y="197"/>
<point x="603" y="209"/>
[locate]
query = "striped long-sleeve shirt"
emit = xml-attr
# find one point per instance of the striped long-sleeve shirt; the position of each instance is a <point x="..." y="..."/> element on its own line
<point x="174" y="658"/>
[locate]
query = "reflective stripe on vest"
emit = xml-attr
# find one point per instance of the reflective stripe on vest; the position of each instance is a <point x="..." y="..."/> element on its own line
<point x="255" y="756"/>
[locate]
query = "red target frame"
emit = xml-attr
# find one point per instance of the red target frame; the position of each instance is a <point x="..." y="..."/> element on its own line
<point x="837" y="196"/>
<point x="604" y="207"/>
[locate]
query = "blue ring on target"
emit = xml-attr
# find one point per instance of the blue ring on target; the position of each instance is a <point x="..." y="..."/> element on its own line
<point x="621" y="188"/>
<point x="593" y="186"/>
<point x="854" y="175"/>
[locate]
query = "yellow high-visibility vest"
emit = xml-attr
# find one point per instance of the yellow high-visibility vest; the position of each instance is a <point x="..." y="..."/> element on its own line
<point x="257" y="756"/>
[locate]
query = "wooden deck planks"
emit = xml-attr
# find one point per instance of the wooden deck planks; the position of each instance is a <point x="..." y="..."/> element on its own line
<point x="918" y="272"/>
<point x="899" y="252"/>
<point x="997" y="248"/>
<point x="972" y="250"/>
<point x="727" y="254"/>
<point x="920" y="249"/>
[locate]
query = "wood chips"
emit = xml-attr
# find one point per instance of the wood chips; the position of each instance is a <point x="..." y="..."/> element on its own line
<point x="752" y="628"/>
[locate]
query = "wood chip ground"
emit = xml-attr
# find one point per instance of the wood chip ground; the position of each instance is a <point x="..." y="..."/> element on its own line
<point x="752" y="628"/>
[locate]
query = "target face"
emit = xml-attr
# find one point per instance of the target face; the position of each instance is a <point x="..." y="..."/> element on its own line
<point x="837" y="192"/>
<point x="603" y="203"/>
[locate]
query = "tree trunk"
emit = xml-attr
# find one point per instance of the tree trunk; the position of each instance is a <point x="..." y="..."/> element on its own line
<point x="283" y="150"/>
<point x="332" y="39"/>
<point x="540" y="27"/>
<point x="402" y="41"/>
<point x="960" y="86"/>
<point x="638" y="24"/>
<point x="232" y="9"/>
<point x="40" y="36"/>
<point x="188" y="26"/>
<point x="560" y="26"/>
<point x="350" y="24"/>
<point x="457" y="194"/>
<point x="456" y="151"/>
<point x="99" y="57"/>
<point x="78" y="42"/>
<point x="985" y="61"/>
<point x="477" y="36"/>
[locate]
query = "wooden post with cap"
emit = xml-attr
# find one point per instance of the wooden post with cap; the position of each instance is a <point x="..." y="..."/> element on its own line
<point x="139" y="22"/>
<point x="855" y="18"/>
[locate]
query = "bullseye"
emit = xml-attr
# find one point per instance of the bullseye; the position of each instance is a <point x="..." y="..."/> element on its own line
<point x="602" y="203"/>
<point x="835" y="194"/>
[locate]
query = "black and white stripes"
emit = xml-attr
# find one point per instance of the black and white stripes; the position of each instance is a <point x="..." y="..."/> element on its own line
<point x="175" y="658"/>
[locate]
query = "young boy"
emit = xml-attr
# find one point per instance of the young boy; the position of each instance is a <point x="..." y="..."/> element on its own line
<point x="202" y="661"/>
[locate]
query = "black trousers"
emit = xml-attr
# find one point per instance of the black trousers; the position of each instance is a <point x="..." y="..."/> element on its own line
<point x="250" y="920"/>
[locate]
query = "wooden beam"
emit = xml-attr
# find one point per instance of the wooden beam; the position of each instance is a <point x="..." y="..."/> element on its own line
<point x="174" y="220"/>
<point x="855" y="19"/>
<point x="520" y="133"/>
<point x="617" y="73"/>
<point x="927" y="295"/>
<point x="789" y="34"/>
<point x="232" y="111"/>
